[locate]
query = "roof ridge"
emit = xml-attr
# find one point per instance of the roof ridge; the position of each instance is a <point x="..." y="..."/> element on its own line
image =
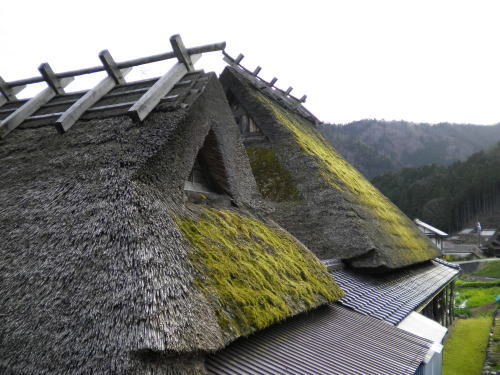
<point x="448" y="264"/>
<point x="116" y="72"/>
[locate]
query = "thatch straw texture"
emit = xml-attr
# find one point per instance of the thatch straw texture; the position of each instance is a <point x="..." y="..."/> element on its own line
<point x="338" y="213"/>
<point x="95" y="274"/>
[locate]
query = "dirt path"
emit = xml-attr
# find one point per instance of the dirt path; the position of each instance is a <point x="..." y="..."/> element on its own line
<point x="483" y="308"/>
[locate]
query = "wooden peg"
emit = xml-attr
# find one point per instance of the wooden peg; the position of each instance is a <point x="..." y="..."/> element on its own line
<point x="31" y="106"/>
<point x="303" y="99"/>
<point x="180" y="52"/>
<point x="6" y="90"/>
<point x="257" y="70"/>
<point x="239" y="58"/>
<point x="50" y="77"/>
<point x="8" y="93"/>
<point x="273" y="81"/>
<point x="111" y="67"/>
<point x="288" y="90"/>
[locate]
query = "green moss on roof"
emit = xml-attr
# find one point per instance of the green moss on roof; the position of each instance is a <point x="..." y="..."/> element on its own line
<point x="257" y="274"/>
<point x="273" y="180"/>
<point x="394" y="227"/>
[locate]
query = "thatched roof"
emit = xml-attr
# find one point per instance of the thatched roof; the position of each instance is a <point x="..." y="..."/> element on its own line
<point x="317" y="195"/>
<point x="106" y="267"/>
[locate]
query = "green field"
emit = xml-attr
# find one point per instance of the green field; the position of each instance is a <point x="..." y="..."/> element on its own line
<point x="465" y="348"/>
<point x="476" y="284"/>
<point x="466" y="344"/>
<point x="489" y="269"/>
<point x="476" y="297"/>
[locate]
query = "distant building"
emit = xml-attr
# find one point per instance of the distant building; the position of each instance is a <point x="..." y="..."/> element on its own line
<point x="435" y="235"/>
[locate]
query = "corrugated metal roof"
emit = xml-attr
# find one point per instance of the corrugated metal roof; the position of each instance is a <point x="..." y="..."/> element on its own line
<point x="330" y="340"/>
<point x="393" y="296"/>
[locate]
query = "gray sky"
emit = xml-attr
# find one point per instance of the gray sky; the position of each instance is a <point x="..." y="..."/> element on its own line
<point x="421" y="61"/>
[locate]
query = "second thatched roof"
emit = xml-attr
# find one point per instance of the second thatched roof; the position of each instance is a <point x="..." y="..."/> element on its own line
<point x="317" y="195"/>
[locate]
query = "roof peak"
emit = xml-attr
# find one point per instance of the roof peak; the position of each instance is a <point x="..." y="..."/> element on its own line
<point x="116" y="73"/>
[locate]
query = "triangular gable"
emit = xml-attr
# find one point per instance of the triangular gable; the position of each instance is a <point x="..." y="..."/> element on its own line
<point x="339" y="214"/>
<point x="208" y="174"/>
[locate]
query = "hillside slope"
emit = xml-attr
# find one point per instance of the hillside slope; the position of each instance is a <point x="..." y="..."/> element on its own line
<point x="375" y="147"/>
<point x="448" y="197"/>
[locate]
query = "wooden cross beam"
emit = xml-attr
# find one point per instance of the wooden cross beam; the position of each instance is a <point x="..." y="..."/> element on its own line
<point x="8" y="94"/>
<point x="51" y="79"/>
<point x="31" y="106"/>
<point x="180" y="52"/>
<point x="111" y="67"/>
<point x="73" y="113"/>
<point x="142" y="107"/>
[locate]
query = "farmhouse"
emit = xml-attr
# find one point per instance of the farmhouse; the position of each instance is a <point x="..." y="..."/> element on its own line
<point x="435" y="235"/>
<point x="149" y="227"/>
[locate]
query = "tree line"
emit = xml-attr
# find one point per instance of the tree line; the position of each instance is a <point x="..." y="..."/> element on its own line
<point x="447" y="197"/>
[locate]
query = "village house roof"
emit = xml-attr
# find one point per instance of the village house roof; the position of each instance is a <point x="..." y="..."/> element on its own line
<point x="330" y="340"/>
<point x="315" y="193"/>
<point x="392" y="297"/>
<point x="430" y="228"/>
<point x="107" y="264"/>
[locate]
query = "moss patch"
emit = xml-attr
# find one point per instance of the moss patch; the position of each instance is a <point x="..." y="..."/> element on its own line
<point x="337" y="172"/>
<point x="255" y="273"/>
<point x="274" y="181"/>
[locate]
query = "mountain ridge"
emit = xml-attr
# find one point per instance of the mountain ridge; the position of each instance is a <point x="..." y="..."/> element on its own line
<point x="376" y="147"/>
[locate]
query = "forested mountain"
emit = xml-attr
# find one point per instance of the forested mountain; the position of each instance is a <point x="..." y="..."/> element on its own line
<point x="375" y="147"/>
<point x="447" y="197"/>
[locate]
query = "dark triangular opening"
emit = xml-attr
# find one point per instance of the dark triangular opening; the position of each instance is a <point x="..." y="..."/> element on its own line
<point x="208" y="174"/>
<point x="247" y="125"/>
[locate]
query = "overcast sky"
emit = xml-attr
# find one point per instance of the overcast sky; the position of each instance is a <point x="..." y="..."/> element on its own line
<point x="421" y="61"/>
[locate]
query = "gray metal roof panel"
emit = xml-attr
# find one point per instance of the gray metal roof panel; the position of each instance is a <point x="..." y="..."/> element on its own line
<point x="329" y="340"/>
<point x="392" y="297"/>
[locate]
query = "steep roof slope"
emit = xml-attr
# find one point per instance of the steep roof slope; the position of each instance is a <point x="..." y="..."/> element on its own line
<point x="327" y="204"/>
<point x="106" y="268"/>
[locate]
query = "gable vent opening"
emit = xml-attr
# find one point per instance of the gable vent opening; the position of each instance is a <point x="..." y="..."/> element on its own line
<point x="208" y="174"/>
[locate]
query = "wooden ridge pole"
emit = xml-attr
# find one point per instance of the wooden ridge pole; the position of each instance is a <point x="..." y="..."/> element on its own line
<point x="124" y="64"/>
<point x="236" y="62"/>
